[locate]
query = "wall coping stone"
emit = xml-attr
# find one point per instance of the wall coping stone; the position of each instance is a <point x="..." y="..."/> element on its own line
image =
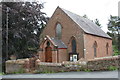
<point x="105" y="58"/>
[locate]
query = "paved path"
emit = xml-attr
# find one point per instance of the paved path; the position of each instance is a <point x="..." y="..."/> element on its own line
<point x="96" y="74"/>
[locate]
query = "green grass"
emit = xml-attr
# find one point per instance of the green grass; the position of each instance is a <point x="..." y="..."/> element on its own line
<point x="87" y="70"/>
<point x="20" y="71"/>
<point x="2" y="73"/>
<point x="112" y="68"/>
<point x="48" y="71"/>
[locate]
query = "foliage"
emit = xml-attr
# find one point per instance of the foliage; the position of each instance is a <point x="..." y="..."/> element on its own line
<point x="20" y="71"/>
<point x="114" y="38"/>
<point x="116" y="52"/>
<point x="97" y="22"/>
<point x="87" y="70"/>
<point x="45" y="69"/>
<point x="114" y="24"/>
<point x="114" y="30"/>
<point x="62" y="71"/>
<point x="85" y="16"/>
<point x="112" y="68"/>
<point x="2" y="73"/>
<point x="25" y="23"/>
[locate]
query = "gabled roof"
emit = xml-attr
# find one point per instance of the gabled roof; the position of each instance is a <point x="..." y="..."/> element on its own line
<point x="56" y="42"/>
<point x="86" y="25"/>
<point x="59" y="43"/>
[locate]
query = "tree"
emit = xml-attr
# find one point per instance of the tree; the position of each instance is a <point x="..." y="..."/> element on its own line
<point x="114" y="29"/>
<point x="25" y="22"/>
<point x="97" y="22"/>
<point x="85" y="16"/>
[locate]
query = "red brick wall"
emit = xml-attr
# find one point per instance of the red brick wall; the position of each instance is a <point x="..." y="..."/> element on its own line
<point x="69" y="29"/>
<point x="101" y="46"/>
<point x="63" y="55"/>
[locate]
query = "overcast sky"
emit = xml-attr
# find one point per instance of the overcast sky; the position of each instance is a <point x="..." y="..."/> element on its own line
<point x="100" y="9"/>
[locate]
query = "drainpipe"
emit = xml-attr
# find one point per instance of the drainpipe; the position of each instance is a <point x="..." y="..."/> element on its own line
<point x="57" y="54"/>
<point x="85" y="53"/>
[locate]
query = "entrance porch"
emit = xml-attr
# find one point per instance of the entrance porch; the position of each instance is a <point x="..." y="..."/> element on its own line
<point x="53" y="51"/>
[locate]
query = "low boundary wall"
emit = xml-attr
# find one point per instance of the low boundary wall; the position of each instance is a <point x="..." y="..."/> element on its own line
<point x="35" y="66"/>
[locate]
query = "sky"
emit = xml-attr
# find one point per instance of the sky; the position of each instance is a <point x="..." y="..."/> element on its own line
<point x="100" y="9"/>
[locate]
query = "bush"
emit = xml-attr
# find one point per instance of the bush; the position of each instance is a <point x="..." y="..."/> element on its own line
<point x="87" y="70"/>
<point x="116" y="52"/>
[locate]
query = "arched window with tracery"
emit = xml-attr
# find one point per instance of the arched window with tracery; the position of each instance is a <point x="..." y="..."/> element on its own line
<point x="95" y="49"/>
<point x="107" y="46"/>
<point x="58" y="31"/>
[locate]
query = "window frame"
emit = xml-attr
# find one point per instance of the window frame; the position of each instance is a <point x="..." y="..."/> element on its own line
<point x="57" y="34"/>
<point x="95" y="49"/>
<point x="74" y="45"/>
<point x="107" y="48"/>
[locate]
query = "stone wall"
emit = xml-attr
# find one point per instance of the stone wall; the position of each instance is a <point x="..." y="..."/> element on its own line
<point x="97" y="64"/>
<point x="103" y="63"/>
<point x="20" y="65"/>
<point x="13" y="66"/>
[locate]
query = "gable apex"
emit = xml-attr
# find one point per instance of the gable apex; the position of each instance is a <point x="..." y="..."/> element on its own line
<point x="86" y="25"/>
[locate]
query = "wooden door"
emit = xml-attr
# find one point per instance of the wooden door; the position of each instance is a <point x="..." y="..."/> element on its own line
<point x="48" y="54"/>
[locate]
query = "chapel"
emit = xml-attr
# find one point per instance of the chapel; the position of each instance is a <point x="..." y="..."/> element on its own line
<point x="70" y="37"/>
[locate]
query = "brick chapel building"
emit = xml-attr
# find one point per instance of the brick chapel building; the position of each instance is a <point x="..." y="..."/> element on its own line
<point x="70" y="37"/>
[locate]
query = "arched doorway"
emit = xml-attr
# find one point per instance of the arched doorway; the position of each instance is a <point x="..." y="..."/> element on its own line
<point x="48" y="53"/>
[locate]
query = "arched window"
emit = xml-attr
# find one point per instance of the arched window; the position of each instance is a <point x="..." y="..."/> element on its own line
<point x="107" y="45"/>
<point x="95" y="49"/>
<point x="73" y="45"/>
<point x="58" y="31"/>
<point x="48" y="43"/>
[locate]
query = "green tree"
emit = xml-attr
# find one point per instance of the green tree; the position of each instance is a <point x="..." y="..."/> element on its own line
<point x="25" y="22"/>
<point x="97" y="22"/>
<point x="114" y="30"/>
<point x="85" y="16"/>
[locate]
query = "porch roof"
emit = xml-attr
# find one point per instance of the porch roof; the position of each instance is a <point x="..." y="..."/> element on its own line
<point x="56" y="42"/>
<point x="59" y="43"/>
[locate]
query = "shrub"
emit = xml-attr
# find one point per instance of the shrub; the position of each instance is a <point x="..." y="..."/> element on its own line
<point x="2" y="73"/>
<point x="116" y="51"/>
<point x="87" y="70"/>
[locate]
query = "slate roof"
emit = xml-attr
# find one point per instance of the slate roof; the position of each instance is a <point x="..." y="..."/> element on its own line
<point x="59" y="43"/>
<point x="86" y="25"/>
<point x="56" y="42"/>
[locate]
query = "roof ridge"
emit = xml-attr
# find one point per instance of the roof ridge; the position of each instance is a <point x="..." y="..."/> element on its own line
<point x="85" y="24"/>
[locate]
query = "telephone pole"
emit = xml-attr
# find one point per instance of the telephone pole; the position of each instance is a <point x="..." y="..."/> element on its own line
<point x="7" y="15"/>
